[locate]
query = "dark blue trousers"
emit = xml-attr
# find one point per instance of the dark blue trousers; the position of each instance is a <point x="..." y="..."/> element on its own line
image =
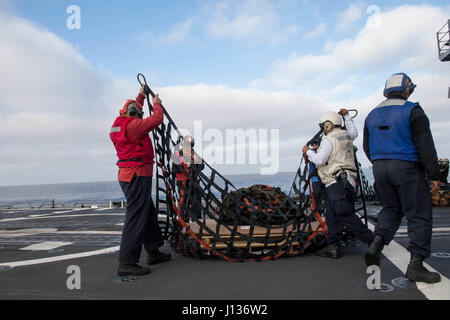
<point x="141" y="221"/>
<point x="192" y="208"/>
<point x="340" y="211"/>
<point x="403" y="191"/>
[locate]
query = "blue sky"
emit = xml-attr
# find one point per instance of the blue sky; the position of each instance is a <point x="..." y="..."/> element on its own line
<point x="111" y="29"/>
<point x="246" y="64"/>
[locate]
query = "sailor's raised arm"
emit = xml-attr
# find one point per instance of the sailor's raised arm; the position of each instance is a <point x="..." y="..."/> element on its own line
<point x="349" y="124"/>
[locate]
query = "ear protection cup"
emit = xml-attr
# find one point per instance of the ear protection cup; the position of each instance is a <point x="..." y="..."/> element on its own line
<point x="328" y="126"/>
<point x="134" y="110"/>
<point x="399" y="83"/>
<point x="411" y="87"/>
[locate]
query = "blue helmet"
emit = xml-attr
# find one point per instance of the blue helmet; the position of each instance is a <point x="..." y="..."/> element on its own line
<point x="398" y="83"/>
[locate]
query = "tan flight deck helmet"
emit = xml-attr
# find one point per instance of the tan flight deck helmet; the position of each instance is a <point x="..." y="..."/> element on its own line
<point x="329" y="121"/>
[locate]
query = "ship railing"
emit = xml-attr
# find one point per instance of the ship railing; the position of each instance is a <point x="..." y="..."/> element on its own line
<point x="443" y="38"/>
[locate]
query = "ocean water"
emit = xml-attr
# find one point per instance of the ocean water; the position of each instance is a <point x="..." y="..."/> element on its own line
<point x="71" y="193"/>
<point x="67" y="193"/>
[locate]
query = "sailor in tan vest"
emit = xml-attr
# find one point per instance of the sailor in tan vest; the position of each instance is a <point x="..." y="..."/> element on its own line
<point x="335" y="161"/>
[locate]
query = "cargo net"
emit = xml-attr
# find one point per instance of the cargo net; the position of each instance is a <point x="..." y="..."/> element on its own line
<point x="210" y="218"/>
<point x="441" y="197"/>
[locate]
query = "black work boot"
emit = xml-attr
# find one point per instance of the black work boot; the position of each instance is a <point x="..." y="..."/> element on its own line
<point x="330" y="251"/>
<point x="373" y="253"/>
<point x="131" y="270"/>
<point x="417" y="272"/>
<point x="157" y="256"/>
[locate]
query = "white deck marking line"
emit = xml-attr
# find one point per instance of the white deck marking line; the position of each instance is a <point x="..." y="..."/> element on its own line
<point x="400" y="257"/>
<point x="60" y="258"/>
<point x="65" y="216"/>
<point x="45" y="246"/>
<point x="47" y="214"/>
<point x="87" y="232"/>
<point x="36" y="231"/>
<point x="435" y="234"/>
<point x="103" y="209"/>
<point x="442" y="229"/>
<point x="59" y="212"/>
<point x="25" y="232"/>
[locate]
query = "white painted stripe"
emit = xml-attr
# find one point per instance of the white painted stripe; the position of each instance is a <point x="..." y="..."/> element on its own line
<point x="436" y="234"/>
<point x="25" y="232"/>
<point x="443" y="229"/>
<point x="60" y="258"/>
<point x="45" y="246"/>
<point x="88" y="232"/>
<point x="400" y="257"/>
<point x="65" y="216"/>
<point x="36" y="231"/>
<point x="103" y="209"/>
<point x="47" y="214"/>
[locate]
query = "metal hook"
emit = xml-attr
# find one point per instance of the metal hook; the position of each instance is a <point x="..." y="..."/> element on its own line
<point x="139" y="80"/>
<point x="351" y="110"/>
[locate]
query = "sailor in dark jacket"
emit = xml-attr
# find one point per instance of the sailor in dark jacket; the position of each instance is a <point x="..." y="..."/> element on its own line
<point x="184" y="160"/>
<point x="399" y="143"/>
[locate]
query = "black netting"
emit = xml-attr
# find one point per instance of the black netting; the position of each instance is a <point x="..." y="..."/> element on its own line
<point x="230" y="223"/>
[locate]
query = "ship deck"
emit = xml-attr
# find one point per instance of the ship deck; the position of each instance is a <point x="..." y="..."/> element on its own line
<point x="37" y="247"/>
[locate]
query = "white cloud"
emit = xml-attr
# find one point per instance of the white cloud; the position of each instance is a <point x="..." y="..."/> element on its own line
<point x="179" y="33"/>
<point x="57" y="109"/>
<point x="347" y="17"/>
<point x="317" y="31"/>
<point x="250" y="21"/>
<point x="406" y="40"/>
<point x="353" y="69"/>
<point x="6" y="6"/>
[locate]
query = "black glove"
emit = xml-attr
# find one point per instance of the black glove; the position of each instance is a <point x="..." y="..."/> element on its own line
<point x="147" y="90"/>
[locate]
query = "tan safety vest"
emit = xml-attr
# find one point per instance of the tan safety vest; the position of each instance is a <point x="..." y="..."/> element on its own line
<point x="342" y="156"/>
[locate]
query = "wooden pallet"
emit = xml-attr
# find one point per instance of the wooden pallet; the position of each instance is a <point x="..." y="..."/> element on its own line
<point x="259" y="234"/>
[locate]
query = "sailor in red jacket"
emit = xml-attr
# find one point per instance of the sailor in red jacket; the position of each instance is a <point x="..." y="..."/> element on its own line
<point x="130" y="136"/>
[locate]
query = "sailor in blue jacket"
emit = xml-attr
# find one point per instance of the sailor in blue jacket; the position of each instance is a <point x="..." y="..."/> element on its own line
<point x="399" y="143"/>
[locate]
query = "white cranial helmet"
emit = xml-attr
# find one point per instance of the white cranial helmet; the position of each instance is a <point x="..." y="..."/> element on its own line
<point x="333" y="117"/>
